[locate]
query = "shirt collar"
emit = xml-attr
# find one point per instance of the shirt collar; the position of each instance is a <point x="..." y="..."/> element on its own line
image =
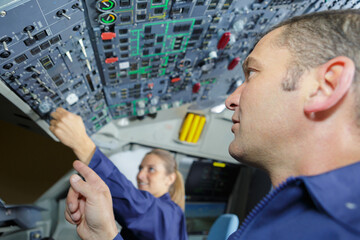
<point x="338" y="193"/>
<point x="166" y="196"/>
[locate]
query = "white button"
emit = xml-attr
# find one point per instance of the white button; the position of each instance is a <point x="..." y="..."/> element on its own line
<point x="140" y="112"/>
<point x="72" y="98"/>
<point x="124" y="65"/>
<point x="176" y="104"/>
<point x="154" y="100"/>
<point x="141" y="104"/>
<point x="164" y="106"/>
<point x="152" y="109"/>
<point x="351" y="205"/>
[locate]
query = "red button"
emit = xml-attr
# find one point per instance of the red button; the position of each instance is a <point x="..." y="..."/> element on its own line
<point x="233" y="63"/>
<point x="196" y="88"/>
<point x="225" y="38"/>
<point x="111" y="60"/>
<point x="108" y="35"/>
<point x="174" y="80"/>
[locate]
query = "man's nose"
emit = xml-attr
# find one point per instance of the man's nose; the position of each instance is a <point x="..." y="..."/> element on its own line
<point x="232" y="101"/>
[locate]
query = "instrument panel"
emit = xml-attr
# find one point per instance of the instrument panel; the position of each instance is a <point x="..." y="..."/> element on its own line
<point x="112" y="59"/>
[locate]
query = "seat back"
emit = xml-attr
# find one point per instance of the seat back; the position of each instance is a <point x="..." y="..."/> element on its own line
<point x="223" y="227"/>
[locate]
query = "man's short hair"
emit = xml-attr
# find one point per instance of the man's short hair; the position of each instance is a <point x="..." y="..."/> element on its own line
<point x="316" y="38"/>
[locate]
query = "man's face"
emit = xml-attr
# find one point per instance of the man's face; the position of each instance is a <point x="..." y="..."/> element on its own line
<point x="264" y="114"/>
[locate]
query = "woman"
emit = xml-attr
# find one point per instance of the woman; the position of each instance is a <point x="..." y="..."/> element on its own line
<point x="154" y="210"/>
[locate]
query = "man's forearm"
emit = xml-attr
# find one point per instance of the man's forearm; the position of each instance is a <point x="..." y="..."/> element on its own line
<point x="85" y="150"/>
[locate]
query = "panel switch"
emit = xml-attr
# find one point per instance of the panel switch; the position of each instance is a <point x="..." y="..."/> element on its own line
<point x="111" y="60"/>
<point x="108" y="35"/>
<point x="225" y="38"/>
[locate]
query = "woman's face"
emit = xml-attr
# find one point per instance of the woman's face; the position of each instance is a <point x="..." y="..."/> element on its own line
<point x="152" y="176"/>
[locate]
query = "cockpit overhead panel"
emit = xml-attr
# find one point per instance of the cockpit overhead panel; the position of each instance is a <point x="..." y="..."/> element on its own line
<point x="111" y="59"/>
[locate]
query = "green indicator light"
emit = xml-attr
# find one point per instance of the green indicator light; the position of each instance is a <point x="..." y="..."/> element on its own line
<point x="110" y="6"/>
<point x="108" y="21"/>
<point x="107" y="18"/>
<point x="105" y="5"/>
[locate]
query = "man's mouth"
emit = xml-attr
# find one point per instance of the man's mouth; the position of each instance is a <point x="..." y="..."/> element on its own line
<point x="233" y="128"/>
<point x="235" y="121"/>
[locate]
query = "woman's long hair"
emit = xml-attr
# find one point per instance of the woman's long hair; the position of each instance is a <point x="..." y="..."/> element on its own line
<point x="177" y="189"/>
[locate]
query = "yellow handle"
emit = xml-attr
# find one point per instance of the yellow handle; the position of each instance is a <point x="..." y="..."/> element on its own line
<point x="186" y="126"/>
<point x="193" y="128"/>
<point x="199" y="130"/>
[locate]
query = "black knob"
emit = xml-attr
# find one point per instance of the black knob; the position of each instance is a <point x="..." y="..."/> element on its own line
<point x="5" y="54"/>
<point x="29" y="68"/>
<point x="7" y="66"/>
<point x="6" y="39"/>
<point x="35" y="75"/>
<point x="76" y="28"/>
<point x="77" y="6"/>
<point x="29" y="28"/>
<point x="13" y="78"/>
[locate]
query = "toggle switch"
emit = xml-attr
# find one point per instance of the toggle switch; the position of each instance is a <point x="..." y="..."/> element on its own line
<point x="82" y="47"/>
<point x="28" y="30"/>
<point x="88" y="65"/>
<point x="68" y="55"/>
<point x="5" y="41"/>
<point x="77" y="6"/>
<point x="25" y="90"/>
<point x="61" y="13"/>
<point x="33" y="69"/>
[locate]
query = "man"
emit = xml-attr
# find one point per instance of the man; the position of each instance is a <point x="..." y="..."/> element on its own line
<point x="297" y="116"/>
<point x="89" y="205"/>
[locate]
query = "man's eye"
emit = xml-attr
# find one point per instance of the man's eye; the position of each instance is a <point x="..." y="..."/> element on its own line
<point x="250" y="72"/>
<point x="151" y="169"/>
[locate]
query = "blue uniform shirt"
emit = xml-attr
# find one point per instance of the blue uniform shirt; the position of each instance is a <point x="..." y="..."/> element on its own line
<point x="118" y="237"/>
<point x="325" y="206"/>
<point x="141" y="215"/>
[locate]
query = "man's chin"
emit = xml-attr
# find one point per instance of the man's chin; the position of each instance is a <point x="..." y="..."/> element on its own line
<point x="235" y="152"/>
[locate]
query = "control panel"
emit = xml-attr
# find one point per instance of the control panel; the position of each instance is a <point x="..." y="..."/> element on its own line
<point x="111" y="59"/>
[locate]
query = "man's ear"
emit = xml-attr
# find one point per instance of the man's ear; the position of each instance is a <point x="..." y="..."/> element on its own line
<point x="334" y="81"/>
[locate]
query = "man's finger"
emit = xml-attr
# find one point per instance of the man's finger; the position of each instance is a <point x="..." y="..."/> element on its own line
<point x="72" y="211"/>
<point x="76" y="216"/>
<point x="53" y="122"/>
<point x="54" y="115"/>
<point x="80" y="186"/>
<point x="61" y="110"/>
<point x="68" y="218"/>
<point x="58" y="113"/>
<point x="72" y="202"/>
<point x="90" y="176"/>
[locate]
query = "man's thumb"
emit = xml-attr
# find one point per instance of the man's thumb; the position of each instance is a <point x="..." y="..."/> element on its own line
<point x="79" y="185"/>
